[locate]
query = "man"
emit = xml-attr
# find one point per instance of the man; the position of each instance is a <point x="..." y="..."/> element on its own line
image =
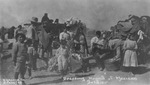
<point x="19" y="56"/>
<point x="95" y="40"/>
<point x="18" y="30"/>
<point x="11" y="32"/>
<point x="135" y="25"/>
<point x="45" y="18"/>
<point x="70" y="42"/>
<point x="32" y="35"/>
<point x="96" y="45"/>
<point x="115" y="46"/>
<point x="32" y="31"/>
<point x="64" y="35"/>
<point x="145" y="26"/>
<point x="143" y="40"/>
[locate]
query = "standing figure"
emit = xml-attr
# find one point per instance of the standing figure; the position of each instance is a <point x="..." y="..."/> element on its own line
<point x="145" y="26"/>
<point x="63" y="58"/>
<point x="96" y="44"/>
<point x="33" y="36"/>
<point x="64" y="36"/>
<point x="19" y="56"/>
<point x="30" y="64"/>
<point x="130" y="57"/>
<point x="45" y="18"/>
<point x="18" y="30"/>
<point x="81" y="43"/>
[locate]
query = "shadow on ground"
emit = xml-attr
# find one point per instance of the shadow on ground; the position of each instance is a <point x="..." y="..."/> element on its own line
<point x="49" y="82"/>
<point x="60" y="80"/>
<point x="45" y="76"/>
<point x="141" y="70"/>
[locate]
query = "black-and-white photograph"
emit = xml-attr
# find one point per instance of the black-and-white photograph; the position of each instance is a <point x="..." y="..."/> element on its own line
<point x="74" y="42"/>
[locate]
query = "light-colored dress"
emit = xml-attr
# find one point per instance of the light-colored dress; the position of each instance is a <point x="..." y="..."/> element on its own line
<point x="130" y="56"/>
<point x="63" y="59"/>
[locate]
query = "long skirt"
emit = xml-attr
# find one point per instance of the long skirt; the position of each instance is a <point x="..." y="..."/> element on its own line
<point x="130" y="59"/>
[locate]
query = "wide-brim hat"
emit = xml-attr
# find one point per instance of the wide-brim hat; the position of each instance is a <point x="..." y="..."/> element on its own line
<point x="34" y="19"/>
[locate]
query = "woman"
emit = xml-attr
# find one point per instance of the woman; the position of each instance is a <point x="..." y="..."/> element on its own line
<point x="130" y="57"/>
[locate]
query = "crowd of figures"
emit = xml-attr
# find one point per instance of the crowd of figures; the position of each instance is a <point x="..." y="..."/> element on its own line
<point x="126" y="45"/>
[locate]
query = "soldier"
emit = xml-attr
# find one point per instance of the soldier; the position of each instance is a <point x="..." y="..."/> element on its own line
<point x="45" y="18"/>
<point x="32" y="30"/>
<point x="19" y="55"/>
<point x="32" y="35"/>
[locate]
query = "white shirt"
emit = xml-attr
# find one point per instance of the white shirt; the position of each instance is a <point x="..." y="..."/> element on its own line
<point x="71" y="34"/>
<point x="29" y="33"/>
<point x="97" y="41"/>
<point x="140" y="33"/>
<point x="64" y="36"/>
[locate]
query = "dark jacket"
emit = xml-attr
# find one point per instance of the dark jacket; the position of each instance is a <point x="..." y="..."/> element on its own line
<point x="45" y="18"/>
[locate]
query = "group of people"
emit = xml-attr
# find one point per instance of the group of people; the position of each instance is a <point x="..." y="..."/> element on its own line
<point x="30" y="46"/>
<point x="127" y="46"/>
<point x="121" y="50"/>
<point x="73" y="45"/>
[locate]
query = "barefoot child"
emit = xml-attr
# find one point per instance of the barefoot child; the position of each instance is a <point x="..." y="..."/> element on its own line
<point x="19" y="55"/>
<point x="63" y="58"/>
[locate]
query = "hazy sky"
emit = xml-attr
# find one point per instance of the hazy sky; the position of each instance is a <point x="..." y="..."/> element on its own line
<point x="97" y="14"/>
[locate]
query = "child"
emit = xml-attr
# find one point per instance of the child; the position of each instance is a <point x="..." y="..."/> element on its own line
<point x="130" y="56"/>
<point x="63" y="58"/>
<point x="30" y="58"/>
<point x="19" y="55"/>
